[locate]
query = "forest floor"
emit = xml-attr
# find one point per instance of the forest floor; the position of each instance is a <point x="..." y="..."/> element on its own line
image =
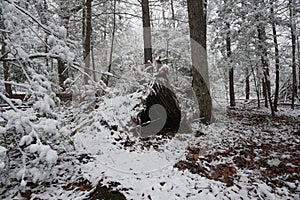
<point x="245" y="154"/>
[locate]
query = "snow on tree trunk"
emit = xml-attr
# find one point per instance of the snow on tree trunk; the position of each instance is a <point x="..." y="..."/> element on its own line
<point x="147" y="32"/>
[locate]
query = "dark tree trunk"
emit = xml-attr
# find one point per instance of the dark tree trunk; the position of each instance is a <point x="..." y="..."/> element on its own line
<point x="231" y="72"/>
<point x="277" y="61"/>
<point x="264" y="92"/>
<point x="62" y="72"/>
<point x="197" y="24"/>
<point x="173" y="13"/>
<point x="93" y="64"/>
<point x="146" y="32"/>
<point x="264" y="56"/>
<point x="87" y="42"/>
<point x="293" y="34"/>
<point x="247" y="87"/>
<point x="112" y="43"/>
<point x="298" y="48"/>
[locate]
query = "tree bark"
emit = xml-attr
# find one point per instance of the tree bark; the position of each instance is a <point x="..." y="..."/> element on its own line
<point x="112" y="43"/>
<point x="197" y="25"/>
<point x="277" y="61"/>
<point x="247" y="87"/>
<point x="87" y="42"/>
<point x="262" y="36"/>
<point x="146" y="32"/>
<point x="93" y="64"/>
<point x="231" y="72"/>
<point x="293" y="34"/>
<point x="173" y="13"/>
<point x="298" y="49"/>
<point x="264" y="92"/>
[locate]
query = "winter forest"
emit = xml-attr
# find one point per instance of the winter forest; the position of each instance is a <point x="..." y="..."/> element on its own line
<point x="150" y="99"/>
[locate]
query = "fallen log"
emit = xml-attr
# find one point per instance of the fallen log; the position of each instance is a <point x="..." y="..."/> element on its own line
<point x="62" y="96"/>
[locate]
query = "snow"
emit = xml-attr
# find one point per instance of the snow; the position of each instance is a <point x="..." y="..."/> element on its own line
<point x="274" y="162"/>
<point x="148" y="171"/>
<point x="2" y="156"/>
<point x="44" y="152"/>
<point x="51" y="157"/>
<point x="25" y="140"/>
<point x="23" y="183"/>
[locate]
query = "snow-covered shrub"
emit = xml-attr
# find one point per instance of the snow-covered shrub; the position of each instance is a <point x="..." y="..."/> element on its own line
<point x="30" y="135"/>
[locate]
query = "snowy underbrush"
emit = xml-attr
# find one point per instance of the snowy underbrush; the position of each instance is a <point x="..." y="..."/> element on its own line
<point x="243" y="155"/>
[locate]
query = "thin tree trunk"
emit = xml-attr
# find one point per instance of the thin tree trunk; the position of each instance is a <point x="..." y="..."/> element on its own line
<point x="197" y="24"/>
<point x="293" y="34"/>
<point x="8" y="88"/>
<point x="173" y="13"/>
<point x="257" y="87"/>
<point x="62" y="74"/>
<point x="298" y="47"/>
<point x="83" y="19"/>
<point x="277" y="61"/>
<point x="87" y="43"/>
<point x="247" y="88"/>
<point x="112" y="42"/>
<point x="231" y="72"/>
<point x="93" y="64"/>
<point x="262" y="39"/>
<point x="146" y="32"/>
<point x="264" y="91"/>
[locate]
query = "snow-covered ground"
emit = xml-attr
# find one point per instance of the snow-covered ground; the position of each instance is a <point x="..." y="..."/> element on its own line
<point x="243" y="155"/>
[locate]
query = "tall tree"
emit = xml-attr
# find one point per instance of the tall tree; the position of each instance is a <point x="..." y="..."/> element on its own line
<point x="262" y="37"/>
<point x="231" y="72"/>
<point x="146" y="32"/>
<point x="293" y="34"/>
<point x="277" y="60"/>
<point x="87" y="42"/>
<point x="197" y="26"/>
<point x="112" y="41"/>
<point x="247" y="87"/>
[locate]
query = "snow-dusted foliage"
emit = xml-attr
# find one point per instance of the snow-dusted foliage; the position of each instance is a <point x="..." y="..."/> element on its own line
<point x="29" y="129"/>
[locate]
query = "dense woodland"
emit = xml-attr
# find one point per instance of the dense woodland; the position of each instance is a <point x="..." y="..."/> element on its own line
<point x="149" y="99"/>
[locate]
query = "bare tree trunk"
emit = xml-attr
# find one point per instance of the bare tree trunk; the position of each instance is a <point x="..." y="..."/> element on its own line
<point x="147" y="32"/>
<point x="231" y="72"/>
<point x="62" y="74"/>
<point x="93" y="64"/>
<point x="257" y="87"/>
<point x="112" y="43"/>
<point x="247" y="87"/>
<point x="293" y="34"/>
<point x="87" y="42"/>
<point x="277" y="61"/>
<point x="173" y="13"/>
<point x="264" y="56"/>
<point x="8" y="88"/>
<point x="197" y="24"/>
<point x="298" y="47"/>
<point x="264" y="91"/>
